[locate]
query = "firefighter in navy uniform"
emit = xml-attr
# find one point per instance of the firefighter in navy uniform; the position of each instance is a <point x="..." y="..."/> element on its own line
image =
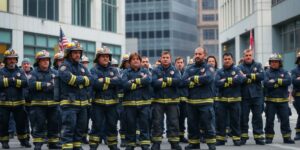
<point x="137" y="100"/>
<point x="199" y="78"/>
<point x="252" y="98"/>
<point x="104" y="105"/>
<point x="165" y="80"/>
<point x="277" y="80"/>
<point x="228" y="80"/>
<point x="296" y="94"/>
<point x="44" y="109"/>
<point x="74" y="81"/>
<point x="12" y="83"/>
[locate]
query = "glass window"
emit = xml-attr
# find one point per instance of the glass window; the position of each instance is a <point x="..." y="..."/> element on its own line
<point x="151" y="34"/>
<point x="109" y="15"/>
<point x="47" y="9"/>
<point x="151" y="53"/>
<point x="4" y="5"/>
<point x="29" y="39"/>
<point x="150" y="16"/>
<point x="136" y="17"/>
<point x="5" y="36"/>
<point x="144" y="35"/>
<point x="209" y="34"/>
<point x="128" y="17"/>
<point x="41" y="41"/>
<point x="166" y="34"/>
<point x="166" y="15"/>
<point x="209" y="4"/>
<point x="81" y="12"/>
<point x="158" y="34"/>
<point x="136" y="35"/>
<point x="158" y="15"/>
<point x="129" y="34"/>
<point x="144" y="53"/>
<point x="210" y="17"/>
<point x="143" y="16"/>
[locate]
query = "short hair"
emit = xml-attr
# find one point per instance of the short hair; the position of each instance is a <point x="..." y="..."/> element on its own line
<point x="179" y="58"/>
<point x="204" y="50"/>
<point x="134" y="55"/>
<point x="227" y="54"/>
<point x="213" y="57"/>
<point x="247" y="51"/>
<point x="145" y="57"/>
<point x="165" y="53"/>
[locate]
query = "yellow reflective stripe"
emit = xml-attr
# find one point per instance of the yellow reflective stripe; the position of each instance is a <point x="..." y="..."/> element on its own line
<point x="145" y="142"/>
<point x="77" y="144"/>
<point x="111" y="138"/>
<point x="244" y="135"/>
<point x="269" y="136"/>
<point x="210" y="141"/>
<point x="12" y="103"/>
<point x="163" y="84"/>
<point x="43" y="102"/>
<point x="196" y="79"/>
<point x="72" y="80"/>
<point x="4" y="138"/>
<point x="236" y="138"/>
<point x="92" y="143"/>
<point x="107" y="80"/>
<point x="87" y="81"/>
<point x="67" y="146"/>
<point x="167" y="100"/>
<point x="183" y="99"/>
<point x="169" y="81"/>
<point x="138" y="80"/>
<point x="286" y="135"/>
<point x="229" y="80"/>
<point x="173" y="139"/>
<point x="157" y="138"/>
<point x="22" y="136"/>
<point x="297" y="130"/>
<point x="249" y="81"/>
<point x="194" y="141"/>
<point x="106" y="101"/>
<point x="200" y="101"/>
<point x="94" y="138"/>
<point x="18" y="83"/>
<point x="253" y="76"/>
<point x="229" y="99"/>
<point x="122" y="136"/>
<point x="38" y="85"/>
<point x="136" y="102"/>
<point x="280" y="81"/>
<point x="226" y="84"/>
<point x="276" y="100"/>
<point x="105" y="86"/>
<point x="133" y="86"/>
<point x="37" y="140"/>
<point x="53" y="140"/>
<point x="297" y="94"/>
<point x="220" y="138"/>
<point x="137" y="132"/>
<point x="191" y="85"/>
<point x="131" y="144"/>
<point x="5" y="82"/>
<point x="74" y="103"/>
<point x="120" y="95"/>
<point x="258" y="136"/>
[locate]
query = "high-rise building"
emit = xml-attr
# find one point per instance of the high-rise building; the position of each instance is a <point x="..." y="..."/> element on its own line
<point x="208" y="26"/>
<point x="159" y="25"/>
<point x="31" y="25"/>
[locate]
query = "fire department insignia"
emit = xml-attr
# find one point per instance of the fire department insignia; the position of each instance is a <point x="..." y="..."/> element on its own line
<point x="172" y="72"/>
<point x="18" y="74"/>
<point x="254" y="69"/>
<point x="282" y="75"/>
<point x="82" y="70"/>
<point x="63" y="68"/>
<point x="53" y="75"/>
<point x="212" y="69"/>
<point x="142" y="74"/>
<point x="111" y="73"/>
<point x="202" y="70"/>
<point x="233" y="73"/>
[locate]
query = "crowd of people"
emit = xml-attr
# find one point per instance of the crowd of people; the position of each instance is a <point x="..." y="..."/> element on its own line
<point x="55" y="104"/>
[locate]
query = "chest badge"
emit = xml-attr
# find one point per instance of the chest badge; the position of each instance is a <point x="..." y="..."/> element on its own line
<point x="18" y="74"/>
<point x="111" y="73"/>
<point x="202" y="70"/>
<point x="82" y="70"/>
<point x="172" y="72"/>
<point x="233" y="73"/>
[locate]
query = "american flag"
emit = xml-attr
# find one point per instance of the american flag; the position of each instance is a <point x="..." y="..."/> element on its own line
<point x="63" y="41"/>
<point x="251" y="41"/>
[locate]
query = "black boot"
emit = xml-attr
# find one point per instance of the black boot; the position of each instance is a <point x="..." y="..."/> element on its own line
<point x="38" y="146"/>
<point x="288" y="141"/>
<point x="269" y="141"/>
<point x="220" y="143"/>
<point x="183" y="139"/>
<point x="25" y="143"/>
<point x="237" y="143"/>
<point x="297" y="137"/>
<point x="260" y="142"/>
<point x="129" y="148"/>
<point x="93" y="147"/>
<point x="175" y="146"/>
<point x="243" y="141"/>
<point x="113" y="147"/>
<point x="5" y="145"/>
<point x="155" y="146"/>
<point x="145" y="147"/>
<point x="85" y="140"/>
<point x="211" y="146"/>
<point x="54" y="146"/>
<point x="192" y="146"/>
<point x="123" y="143"/>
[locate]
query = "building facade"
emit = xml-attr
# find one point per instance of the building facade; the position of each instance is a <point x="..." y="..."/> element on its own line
<point x="31" y="25"/>
<point x="208" y="26"/>
<point x="237" y="18"/>
<point x="160" y="25"/>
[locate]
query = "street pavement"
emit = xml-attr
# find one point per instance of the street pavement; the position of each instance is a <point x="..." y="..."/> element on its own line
<point x="277" y="142"/>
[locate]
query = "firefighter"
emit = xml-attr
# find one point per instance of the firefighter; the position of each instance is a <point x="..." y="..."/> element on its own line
<point x="296" y="93"/>
<point x="58" y="60"/>
<point x="276" y="82"/>
<point x="252" y="98"/>
<point x="12" y="83"/>
<point x="199" y="78"/>
<point x="136" y="102"/>
<point x="44" y="111"/>
<point x="74" y="81"/>
<point x="179" y="64"/>
<point x="166" y="79"/>
<point x="228" y="80"/>
<point x="104" y="105"/>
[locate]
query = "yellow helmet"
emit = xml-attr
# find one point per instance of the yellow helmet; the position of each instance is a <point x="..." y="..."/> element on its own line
<point x="42" y="54"/>
<point x="10" y="53"/>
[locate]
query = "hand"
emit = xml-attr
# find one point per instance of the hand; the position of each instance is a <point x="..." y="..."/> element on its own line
<point x="272" y="81"/>
<point x="144" y="76"/>
<point x="223" y="80"/>
<point x="298" y="78"/>
<point x="160" y="79"/>
<point x="101" y="79"/>
<point x="48" y="84"/>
